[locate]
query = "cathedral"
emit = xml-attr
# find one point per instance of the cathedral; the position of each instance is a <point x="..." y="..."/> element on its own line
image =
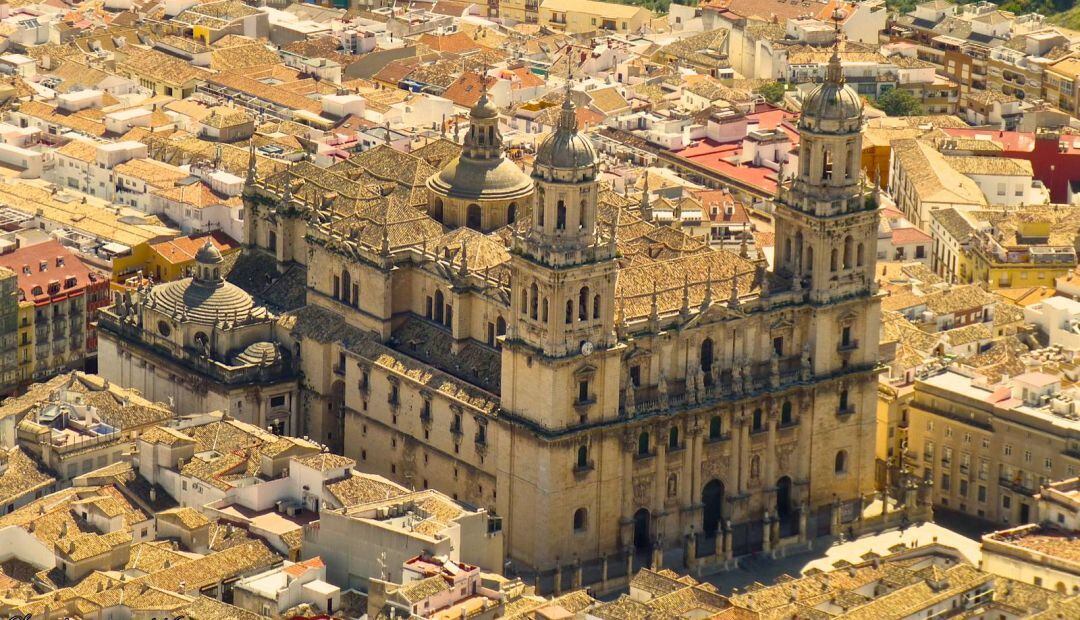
<point x="530" y="344"/>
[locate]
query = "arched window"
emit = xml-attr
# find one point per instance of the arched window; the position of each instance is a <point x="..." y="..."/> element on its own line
<point x="540" y="214"/>
<point x="643" y="444"/>
<point x="809" y="266"/>
<point x="787" y="251"/>
<point x="860" y="257"/>
<point x="849" y="246"/>
<point x="500" y="326"/>
<point x="673" y="438"/>
<point x="596" y="307"/>
<point x="834" y="258"/>
<point x="840" y="464"/>
<point x="785" y="413"/>
<point x="569" y="311"/>
<point x="534" y="300"/>
<point x="437" y="210"/>
<point x="582" y="214"/>
<point x="582" y="457"/>
<point x="511" y="213"/>
<point x="757" y="421"/>
<point x="472" y="217"/>
<point x="706" y="355"/>
<point x="715" y="427"/>
<point x="346" y="285"/>
<point x="583" y="303"/>
<point x="560" y="216"/>
<point x="337" y="286"/>
<point x="544" y="310"/>
<point x="491" y="135"/>
<point x="524" y="301"/>
<point x="271" y="241"/>
<point x="580" y="519"/>
<point x="439" y="307"/>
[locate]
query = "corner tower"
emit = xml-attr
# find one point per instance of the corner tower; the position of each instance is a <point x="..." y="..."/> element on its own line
<point x="560" y="359"/>
<point x="826" y="235"/>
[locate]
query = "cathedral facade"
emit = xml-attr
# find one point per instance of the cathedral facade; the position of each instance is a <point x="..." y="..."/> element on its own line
<point x="530" y="344"/>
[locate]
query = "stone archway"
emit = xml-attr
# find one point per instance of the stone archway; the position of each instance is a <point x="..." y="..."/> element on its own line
<point x="712" y="501"/>
<point x="642" y="530"/>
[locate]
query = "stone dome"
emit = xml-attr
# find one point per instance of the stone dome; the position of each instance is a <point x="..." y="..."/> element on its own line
<point x="208" y="254"/>
<point x="261" y="352"/>
<point x="481" y="172"/>
<point x="832" y="101"/>
<point x="484" y="108"/>
<point x="203" y="302"/>
<point x="481" y="179"/>
<point x="205" y="298"/>
<point x="566" y="148"/>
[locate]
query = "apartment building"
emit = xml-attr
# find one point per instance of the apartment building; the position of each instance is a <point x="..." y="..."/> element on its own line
<point x="65" y="294"/>
<point x="10" y="361"/>
<point x="986" y="448"/>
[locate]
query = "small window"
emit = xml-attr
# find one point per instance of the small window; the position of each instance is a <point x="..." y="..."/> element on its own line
<point x="583" y="391"/>
<point x="643" y="444"/>
<point x="715" y="427"/>
<point x="580" y="519"/>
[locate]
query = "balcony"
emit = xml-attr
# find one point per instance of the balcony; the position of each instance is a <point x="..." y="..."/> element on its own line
<point x="1016" y="486"/>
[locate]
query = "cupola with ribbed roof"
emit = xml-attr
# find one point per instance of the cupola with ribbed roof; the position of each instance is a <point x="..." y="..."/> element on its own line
<point x="480" y="188"/>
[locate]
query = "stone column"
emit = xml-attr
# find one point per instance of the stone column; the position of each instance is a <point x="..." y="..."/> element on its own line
<point x="660" y="481"/>
<point x="804" y="510"/>
<point x="694" y="467"/>
<point x="766" y="538"/>
<point x="769" y="466"/>
<point x="603" y="572"/>
<point x="743" y="447"/>
<point x="627" y="520"/>
<point x="577" y="579"/>
<point x="557" y="588"/>
<point x="629" y="550"/>
<point x="690" y="548"/>
<point x="728" y="551"/>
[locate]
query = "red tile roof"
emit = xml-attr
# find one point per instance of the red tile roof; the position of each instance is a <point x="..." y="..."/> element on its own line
<point x="907" y="236"/>
<point x="40" y="265"/>
<point x="183" y="249"/>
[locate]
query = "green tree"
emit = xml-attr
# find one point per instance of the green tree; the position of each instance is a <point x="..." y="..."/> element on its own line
<point x="773" y="92"/>
<point x="898" y="102"/>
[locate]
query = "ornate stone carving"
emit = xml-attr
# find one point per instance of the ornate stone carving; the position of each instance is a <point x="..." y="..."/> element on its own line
<point x="642" y="488"/>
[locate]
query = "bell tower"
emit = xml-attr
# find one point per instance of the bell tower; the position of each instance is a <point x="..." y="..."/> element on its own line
<point x="563" y="272"/>
<point x="561" y="359"/>
<point x="826" y="222"/>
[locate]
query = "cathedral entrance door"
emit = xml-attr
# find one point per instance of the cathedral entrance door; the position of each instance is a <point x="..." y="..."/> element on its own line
<point x="712" y="500"/>
<point x="642" y="541"/>
<point x="789" y="519"/>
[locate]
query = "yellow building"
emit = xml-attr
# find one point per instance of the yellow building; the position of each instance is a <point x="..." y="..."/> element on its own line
<point x="1033" y="248"/>
<point x="522" y="11"/>
<point x="1059" y="84"/>
<point x="26" y="341"/>
<point x="575" y="16"/>
<point x="166" y="261"/>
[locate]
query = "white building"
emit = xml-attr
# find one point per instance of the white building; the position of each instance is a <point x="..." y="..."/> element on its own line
<point x="1057" y="318"/>
<point x="279" y="589"/>
<point x="1042" y="553"/>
